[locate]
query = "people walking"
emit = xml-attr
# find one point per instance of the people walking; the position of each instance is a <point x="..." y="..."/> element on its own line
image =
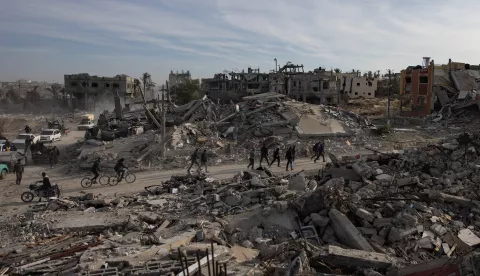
<point x="18" y="168"/>
<point x="263" y="154"/>
<point x="251" y="159"/>
<point x="56" y="154"/>
<point x="203" y="160"/>
<point x="320" y="151"/>
<point x="293" y="156"/>
<point x="193" y="160"/>
<point x="288" y="156"/>
<point x="27" y="129"/>
<point x="276" y="157"/>
<point x="51" y="157"/>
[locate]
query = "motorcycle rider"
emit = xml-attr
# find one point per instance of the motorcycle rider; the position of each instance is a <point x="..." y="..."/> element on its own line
<point x="120" y="169"/>
<point x="96" y="170"/>
<point x="46" y="185"/>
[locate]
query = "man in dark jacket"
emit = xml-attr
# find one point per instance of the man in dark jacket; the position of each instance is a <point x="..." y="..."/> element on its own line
<point x="288" y="156"/>
<point x="56" y="154"/>
<point x="46" y="185"/>
<point x="27" y="129"/>
<point x="96" y="170"/>
<point x="320" y="151"/>
<point x="28" y="144"/>
<point x="18" y="168"/>
<point x="203" y="160"/>
<point x="193" y="160"/>
<point x="276" y="157"/>
<point x="251" y="159"/>
<point x="51" y="157"/>
<point x="293" y="156"/>
<point x="120" y="169"/>
<point x="263" y="154"/>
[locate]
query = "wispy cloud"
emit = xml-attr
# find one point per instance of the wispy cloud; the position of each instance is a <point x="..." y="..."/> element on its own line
<point x="211" y="35"/>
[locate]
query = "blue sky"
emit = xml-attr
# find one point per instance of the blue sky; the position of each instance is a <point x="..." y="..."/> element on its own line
<point x="44" y="39"/>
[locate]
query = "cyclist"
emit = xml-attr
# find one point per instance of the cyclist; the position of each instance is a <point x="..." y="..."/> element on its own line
<point x="96" y="170"/>
<point x="120" y="169"/>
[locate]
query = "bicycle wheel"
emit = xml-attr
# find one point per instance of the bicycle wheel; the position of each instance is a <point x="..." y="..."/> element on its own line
<point x="104" y="180"/>
<point x="86" y="182"/>
<point x="130" y="178"/>
<point x="112" y="181"/>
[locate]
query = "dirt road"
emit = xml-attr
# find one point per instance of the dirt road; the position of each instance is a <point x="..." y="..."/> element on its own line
<point x="10" y="197"/>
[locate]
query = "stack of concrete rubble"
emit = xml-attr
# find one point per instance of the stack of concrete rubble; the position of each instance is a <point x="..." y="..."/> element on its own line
<point x="394" y="214"/>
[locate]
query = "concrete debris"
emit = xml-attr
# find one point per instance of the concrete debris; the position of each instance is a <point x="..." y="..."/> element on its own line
<point x="370" y="214"/>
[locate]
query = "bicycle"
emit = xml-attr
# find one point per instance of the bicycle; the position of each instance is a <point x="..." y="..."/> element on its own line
<point x="113" y="180"/>
<point x="87" y="181"/>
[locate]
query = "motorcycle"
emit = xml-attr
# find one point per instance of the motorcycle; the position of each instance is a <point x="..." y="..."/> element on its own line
<point x="36" y="191"/>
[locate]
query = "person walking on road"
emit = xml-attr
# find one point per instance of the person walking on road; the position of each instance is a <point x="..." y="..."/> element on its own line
<point x="251" y="159"/>
<point x="96" y="170"/>
<point x="288" y="156"/>
<point x="193" y="160"/>
<point x="27" y="129"/>
<point x="56" y="154"/>
<point x="18" y="168"/>
<point x="320" y="151"/>
<point x="203" y="160"/>
<point x="293" y="156"/>
<point x="263" y="154"/>
<point x="276" y="157"/>
<point x="51" y="157"/>
<point x="28" y="144"/>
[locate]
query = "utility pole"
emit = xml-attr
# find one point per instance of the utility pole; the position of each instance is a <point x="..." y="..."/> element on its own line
<point x="389" y="91"/>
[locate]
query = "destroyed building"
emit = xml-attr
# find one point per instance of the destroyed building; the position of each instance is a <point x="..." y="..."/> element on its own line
<point x="88" y="89"/>
<point x="319" y="86"/>
<point x="441" y="90"/>
<point x="235" y="85"/>
<point x="357" y="86"/>
<point x="177" y="78"/>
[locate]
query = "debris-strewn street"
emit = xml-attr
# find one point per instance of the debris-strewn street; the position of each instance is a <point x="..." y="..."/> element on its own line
<point x="385" y="201"/>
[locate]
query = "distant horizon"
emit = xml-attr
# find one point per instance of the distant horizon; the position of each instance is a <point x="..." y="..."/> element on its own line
<point x="51" y="38"/>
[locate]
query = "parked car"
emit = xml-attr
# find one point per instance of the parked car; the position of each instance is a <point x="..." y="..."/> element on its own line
<point x="50" y="135"/>
<point x="3" y="171"/>
<point x="19" y="142"/>
<point x="3" y="139"/>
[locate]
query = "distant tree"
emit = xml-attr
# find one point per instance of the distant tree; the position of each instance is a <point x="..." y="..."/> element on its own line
<point x="148" y="84"/>
<point x="187" y="91"/>
<point x="337" y="70"/>
<point x="55" y="89"/>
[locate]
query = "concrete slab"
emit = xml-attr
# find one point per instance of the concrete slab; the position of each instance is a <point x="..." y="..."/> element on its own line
<point x="89" y="222"/>
<point x="347" y="233"/>
<point x="356" y="258"/>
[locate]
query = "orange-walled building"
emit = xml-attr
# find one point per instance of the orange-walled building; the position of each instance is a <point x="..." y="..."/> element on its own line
<point x="416" y="85"/>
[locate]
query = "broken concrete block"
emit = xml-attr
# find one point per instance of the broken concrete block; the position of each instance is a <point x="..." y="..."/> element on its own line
<point x="329" y="235"/>
<point x="438" y="229"/>
<point x="319" y="221"/>
<point x="312" y="185"/>
<point x="355" y="258"/>
<point x="425" y="243"/>
<point x="382" y="222"/>
<point x="409" y="220"/>
<point x="355" y="185"/>
<point x="297" y="183"/>
<point x="468" y="237"/>
<point x="233" y="200"/>
<point x="89" y="210"/>
<point x="362" y="169"/>
<point x="334" y="183"/>
<point x="368" y="232"/>
<point x="385" y="231"/>
<point x="420" y="207"/>
<point x="394" y="235"/>
<point x="364" y="214"/>
<point x="377" y="239"/>
<point x="384" y="177"/>
<point x="347" y="232"/>
<point x="148" y="217"/>
<point x="449" y="146"/>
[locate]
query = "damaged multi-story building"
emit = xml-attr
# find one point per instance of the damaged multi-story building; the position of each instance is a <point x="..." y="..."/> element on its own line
<point x="88" y="90"/>
<point x="445" y="89"/>
<point x="178" y="77"/>
<point x="235" y="85"/>
<point x="358" y="86"/>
